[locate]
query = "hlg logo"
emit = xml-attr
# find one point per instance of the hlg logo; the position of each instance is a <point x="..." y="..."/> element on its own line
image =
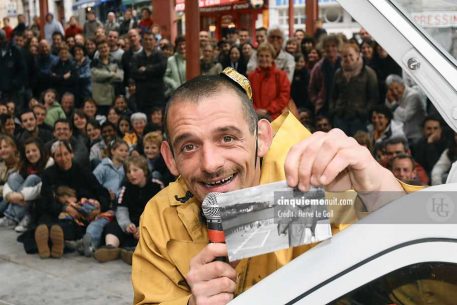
<point x="440" y="207"/>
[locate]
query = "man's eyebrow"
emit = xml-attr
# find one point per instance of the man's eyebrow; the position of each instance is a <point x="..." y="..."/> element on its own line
<point x="181" y="138"/>
<point x="229" y="128"/>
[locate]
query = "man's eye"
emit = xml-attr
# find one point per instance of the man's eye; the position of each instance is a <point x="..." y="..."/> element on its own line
<point x="228" y="139"/>
<point x="188" y="147"/>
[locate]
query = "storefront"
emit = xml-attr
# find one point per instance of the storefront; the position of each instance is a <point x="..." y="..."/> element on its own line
<point x="217" y="16"/>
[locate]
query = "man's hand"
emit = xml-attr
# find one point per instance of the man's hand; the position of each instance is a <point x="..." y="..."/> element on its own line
<point x="338" y="163"/>
<point x="67" y="75"/>
<point x="434" y="137"/>
<point x="131" y="228"/>
<point x="211" y="282"/>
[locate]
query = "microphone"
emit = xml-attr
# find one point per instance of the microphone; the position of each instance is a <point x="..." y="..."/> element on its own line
<point x="210" y="209"/>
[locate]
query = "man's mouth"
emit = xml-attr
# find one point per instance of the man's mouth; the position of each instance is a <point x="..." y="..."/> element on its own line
<point x="219" y="182"/>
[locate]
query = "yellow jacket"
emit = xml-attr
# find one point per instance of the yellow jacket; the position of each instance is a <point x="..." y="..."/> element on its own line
<point x="171" y="232"/>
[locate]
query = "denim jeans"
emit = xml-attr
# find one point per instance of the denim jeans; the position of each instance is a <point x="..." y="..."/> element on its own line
<point x="17" y="184"/>
<point x="95" y="230"/>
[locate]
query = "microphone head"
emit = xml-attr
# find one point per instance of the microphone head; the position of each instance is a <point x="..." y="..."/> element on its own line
<point x="210" y="207"/>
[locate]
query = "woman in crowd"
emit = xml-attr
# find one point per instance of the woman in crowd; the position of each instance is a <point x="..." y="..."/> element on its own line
<point x="134" y="195"/>
<point x="382" y="126"/>
<point x="236" y="61"/>
<point x="208" y="63"/>
<point x="24" y="186"/>
<point x="7" y="125"/>
<point x="138" y="121"/>
<point x="91" y="48"/>
<point x="94" y="133"/>
<point x="9" y="163"/>
<point x="64" y="75"/>
<point x="90" y="109"/>
<point x="123" y="126"/>
<point x="247" y="50"/>
<point x="269" y="102"/>
<point x="121" y="105"/>
<point x="312" y="57"/>
<point x="79" y="122"/>
<point x="82" y="64"/>
<point x="355" y="90"/>
<point x="65" y="173"/>
<point x="292" y="46"/>
<point x="367" y="47"/>
<point x="113" y="116"/>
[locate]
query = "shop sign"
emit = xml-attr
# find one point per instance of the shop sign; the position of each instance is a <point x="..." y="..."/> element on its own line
<point x="435" y="19"/>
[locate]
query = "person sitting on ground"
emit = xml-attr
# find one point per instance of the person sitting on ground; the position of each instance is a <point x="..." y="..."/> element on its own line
<point x="124" y="232"/>
<point x="53" y="109"/>
<point x="9" y="163"/>
<point x="87" y="210"/>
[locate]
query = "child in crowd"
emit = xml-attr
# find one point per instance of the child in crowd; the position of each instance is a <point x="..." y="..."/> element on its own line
<point x="135" y="194"/>
<point x="53" y="109"/>
<point x="123" y="126"/>
<point x="87" y="210"/>
<point x="120" y="104"/>
<point x="151" y="146"/>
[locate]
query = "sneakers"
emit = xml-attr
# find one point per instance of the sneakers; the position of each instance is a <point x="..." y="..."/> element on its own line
<point x="126" y="256"/>
<point x="56" y="235"/>
<point x="7" y="222"/>
<point x="87" y="248"/>
<point x="42" y="241"/>
<point x="23" y="224"/>
<point x="107" y="253"/>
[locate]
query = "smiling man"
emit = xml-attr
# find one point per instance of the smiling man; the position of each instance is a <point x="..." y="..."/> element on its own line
<point x="215" y="144"/>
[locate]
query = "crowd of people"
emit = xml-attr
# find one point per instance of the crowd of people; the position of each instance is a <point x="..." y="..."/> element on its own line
<point x="81" y="117"/>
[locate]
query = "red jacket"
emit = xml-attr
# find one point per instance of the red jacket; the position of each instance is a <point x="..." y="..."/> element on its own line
<point x="270" y="90"/>
<point x="72" y="30"/>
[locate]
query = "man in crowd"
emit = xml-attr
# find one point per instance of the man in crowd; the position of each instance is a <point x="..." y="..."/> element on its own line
<point x="51" y="27"/>
<point x="135" y="48"/>
<point x="175" y="75"/>
<point x="111" y="23"/>
<point x="67" y="102"/>
<point x="148" y="69"/>
<point x="261" y="35"/>
<point x="91" y="25"/>
<point x="403" y="168"/>
<point x="44" y="62"/>
<point x="244" y="36"/>
<point x="30" y="128"/>
<point x="215" y="144"/>
<point x="113" y="42"/>
<point x="128" y="23"/>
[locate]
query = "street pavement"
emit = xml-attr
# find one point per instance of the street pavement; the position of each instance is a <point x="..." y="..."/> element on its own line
<point x="28" y="280"/>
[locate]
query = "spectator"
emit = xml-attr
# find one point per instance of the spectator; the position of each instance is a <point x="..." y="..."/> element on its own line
<point x="82" y="66"/>
<point x="145" y="23"/>
<point x="70" y="41"/>
<point x="283" y="60"/>
<point x="53" y="109"/>
<point x="79" y="123"/>
<point x="407" y="107"/>
<point x="63" y="132"/>
<point x="91" y="48"/>
<point x="232" y="37"/>
<point x="106" y="74"/>
<point x="7" y="28"/>
<point x="432" y="144"/>
<point x="403" y="168"/>
<point x="135" y="48"/>
<point x="64" y="75"/>
<point x="236" y="61"/>
<point x="384" y="66"/>
<point x="91" y="25"/>
<point x="260" y="36"/>
<point x="319" y="31"/>
<point x="300" y="82"/>
<point x="312" y="58"/>
<point x="355" y="90"/>
<point x="44" y="61"/>
<point x="114" y="50"/>
<point x="156" y="116"/>
<point x="113" y="116"/>
<point x="247" y="50"/>
<point x="269" y="102"/>
<point x="299" y="35"/>
<point x="57" y="42"/>
<point x="441" y="169"/>
<point x="123" y="127"/>
<point x="397" y="146"/>
<point x="23" y="187"/>
<point x="175" y="75"/>
<point x="7" y="125"/>
<point x="40" y="113"/>
<point x="111" y="23"/>
<point x="208" y="64"/>
<point x="36" y="26"/>
<point x="100" y="149"/>
<point x="292" y="47"/>
<point x="151" y="146"/>
<point x="9" y="163"/>
<point x="121" y="106"/>
<point x="306" y="117"/>
<point x="128" y="23"/>
<point x="363" y="138"/>
<point x="68" y="174"/>
<point x="73" y="27"/>
<point x="367" y="47"/>
<point x="138" y="121"/>
<point x="383" y="127"/>
<point x="323" y="123"/>
<point x="51" y="27"/>
<point x="124" y="231"/>
<point x="244" y="36"/>
<point x="148" y="69"/>
<point x="94" y="133"/>
<point x="323" y="75"/>
<point x="30" y="129"/>
<point x="20" y="28"/>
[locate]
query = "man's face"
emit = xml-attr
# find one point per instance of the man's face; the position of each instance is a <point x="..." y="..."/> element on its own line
<point x="203" y="36"/>
<point x="431" y="127"/>
<point x="63" y="158"/>
<point x="350" y="57"/>
<point x="276" y="40"/>
<point x="90" y="16"/>
<point x="113" y="38"/>
<point x="299" y="35"/>
<point x="134" y="37"/>
<point x="397" y="90"/>
<point x="103" y="49"/>
<point x="40" y="115"/>
<point x="208" y="53"/>
<point x="156" y="117"/>
<point x="260" y="37"/>
<point x="28" y="121"/>
<point x="403" y="169"/>
<point x="182" y="48"/>
<point x="379" y="121"/>
<point x="393" y="150"/>
<point x="244" y="37"/>
<point x="44" y="47"/>
<point x="323" y="125"/>
<point x="62" y="131"/>
<point x="56" y="40"/>
<point x="331" y="50"/>
<point x="19" y="41"/>
<point x="214" y="151"/>
<point x="67" y="103"/>
<point x="149" y="42"/>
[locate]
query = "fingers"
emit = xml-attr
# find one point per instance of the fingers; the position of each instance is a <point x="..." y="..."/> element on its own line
<point x="209" y="253"/>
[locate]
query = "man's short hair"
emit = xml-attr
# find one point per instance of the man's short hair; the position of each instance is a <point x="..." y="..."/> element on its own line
<point x="63" y="121"/>
<point x="432" y="118"/>
<point x="205" y="86"/>
<point x="394" y="78"/>
<point x="331" y="39"/>
<point x="397" y="140"/>
<point x="57" y="33"/>
<point x="382" y="109"/>
<point x="27" y="111"/>
<point x="68" y="94"/>
<point x="401" y="157"/>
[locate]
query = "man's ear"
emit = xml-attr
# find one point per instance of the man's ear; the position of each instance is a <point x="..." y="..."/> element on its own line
<point x="264" y="138"/>
<point x="168" y="157"/>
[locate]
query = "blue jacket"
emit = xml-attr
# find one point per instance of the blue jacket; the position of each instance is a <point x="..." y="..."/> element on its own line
<point x="108" y="176"/>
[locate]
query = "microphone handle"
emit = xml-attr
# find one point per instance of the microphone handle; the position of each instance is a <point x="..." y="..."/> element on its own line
<point x="216" y="235"/>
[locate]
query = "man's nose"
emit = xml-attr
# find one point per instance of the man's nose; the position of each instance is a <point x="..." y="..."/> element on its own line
<point x="211" y="159"/>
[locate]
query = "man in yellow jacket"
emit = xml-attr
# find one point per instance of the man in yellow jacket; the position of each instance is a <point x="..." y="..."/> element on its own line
<point x="215" y="144"/>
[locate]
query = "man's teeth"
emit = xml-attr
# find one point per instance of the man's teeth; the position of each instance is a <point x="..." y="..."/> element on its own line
<point x="219" y="182"/>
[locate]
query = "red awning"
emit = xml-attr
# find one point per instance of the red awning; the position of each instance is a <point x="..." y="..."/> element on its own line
<point x="216" y="5"/>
